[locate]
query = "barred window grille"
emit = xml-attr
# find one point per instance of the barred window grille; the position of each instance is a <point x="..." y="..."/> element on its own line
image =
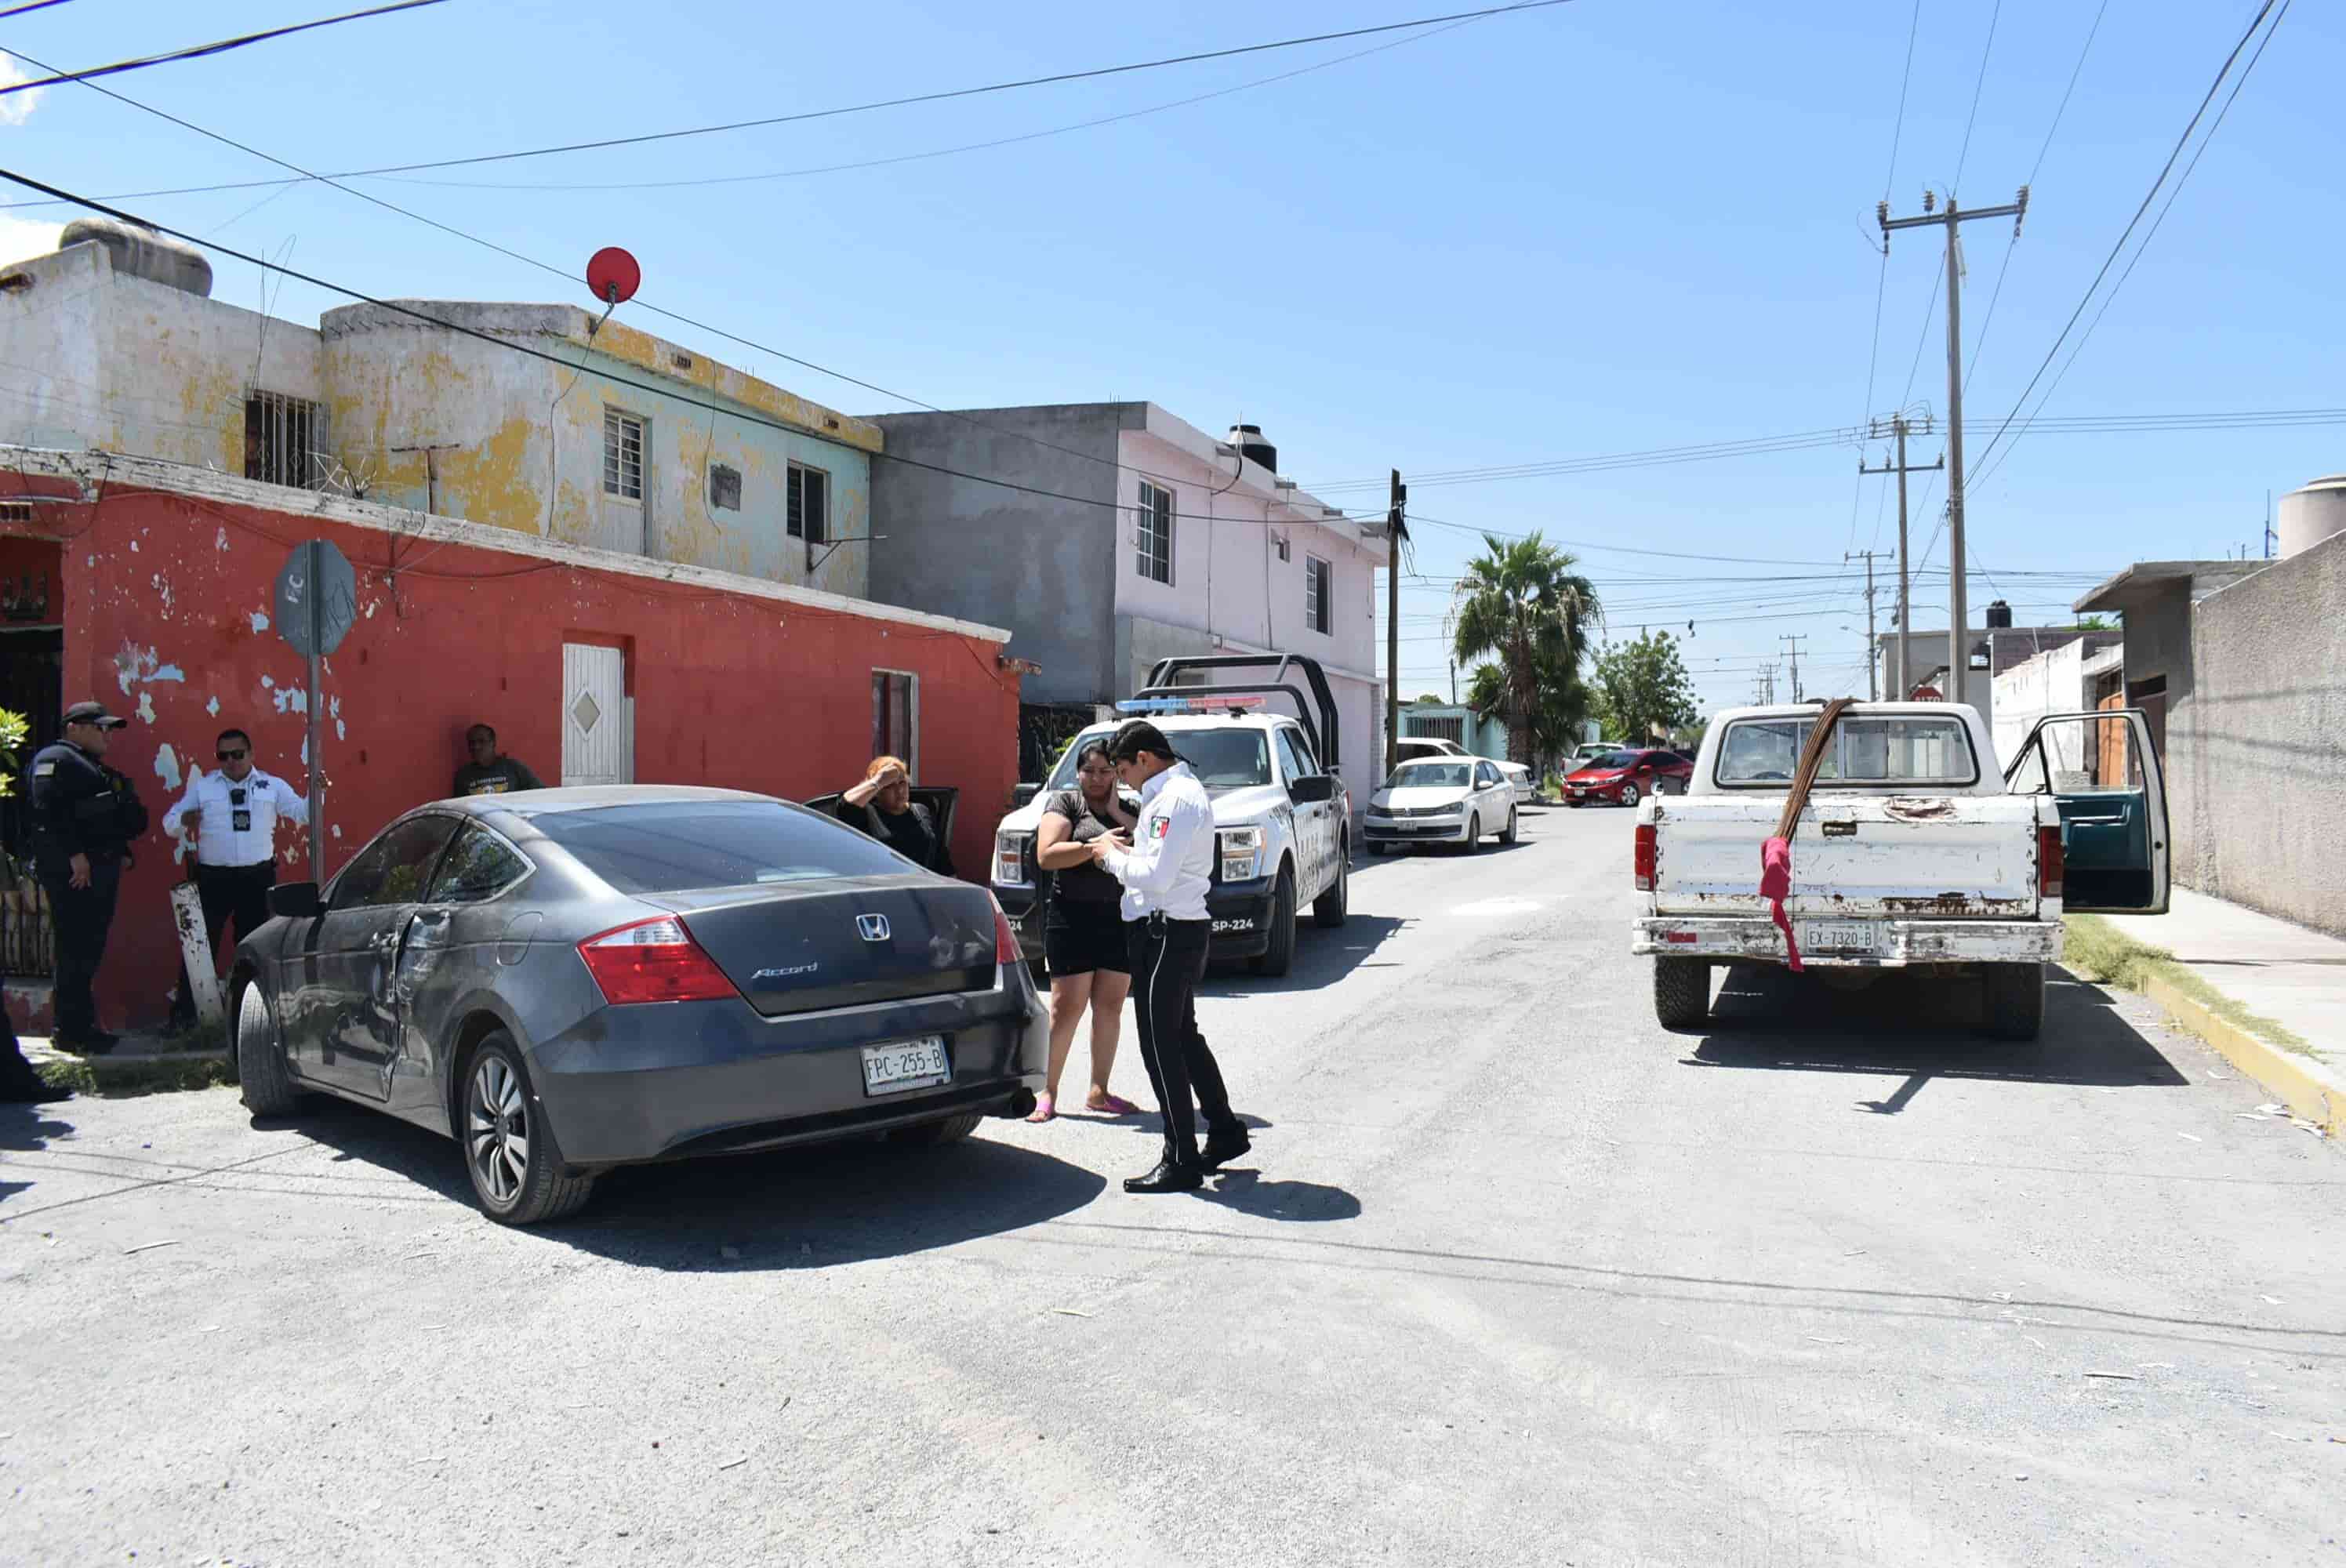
<point x="810" y="504"/>
<point x="284" y="439"/>
<point x="1318" y="600"/>
<point x="623" y="455"/>
<point x="1153" y="543"/>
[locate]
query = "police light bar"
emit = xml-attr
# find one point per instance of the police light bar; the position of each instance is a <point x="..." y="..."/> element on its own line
<point x="1202" y="703"/>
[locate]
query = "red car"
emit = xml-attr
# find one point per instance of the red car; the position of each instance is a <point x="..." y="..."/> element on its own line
<point x="1625" y="777"/>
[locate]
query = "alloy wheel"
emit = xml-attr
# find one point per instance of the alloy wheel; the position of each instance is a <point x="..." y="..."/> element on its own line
<point x="497" y="1129"/>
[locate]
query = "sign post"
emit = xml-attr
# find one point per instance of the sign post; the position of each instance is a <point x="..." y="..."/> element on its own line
<point x="317" y="602"/>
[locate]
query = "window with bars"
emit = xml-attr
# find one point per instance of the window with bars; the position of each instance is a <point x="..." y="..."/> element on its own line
<point x="284" y="437"/>
<point x="623" y="455"/>
<point x="1319" y="597"/>
<point x="810" y="504"/>
<point x="1153" y="541"/>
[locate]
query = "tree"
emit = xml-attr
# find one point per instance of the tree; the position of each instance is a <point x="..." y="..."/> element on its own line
<point x="1641" y="685"/>
<point x="2093" y="624"/>
<point x="1427" y="700"/>
<point x="1521" y="604"/>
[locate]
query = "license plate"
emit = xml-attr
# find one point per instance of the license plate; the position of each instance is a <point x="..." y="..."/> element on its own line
<point x="904" y="1064"/>
<point x="1838" y="936"/>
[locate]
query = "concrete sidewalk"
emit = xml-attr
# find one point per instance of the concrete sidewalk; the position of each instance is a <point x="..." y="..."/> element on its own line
<point x="2282" y="973"/>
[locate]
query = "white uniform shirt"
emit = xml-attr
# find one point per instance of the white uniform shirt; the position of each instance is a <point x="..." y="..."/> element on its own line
<point x="1172" y="864"/>
<point x="233" y="835"/>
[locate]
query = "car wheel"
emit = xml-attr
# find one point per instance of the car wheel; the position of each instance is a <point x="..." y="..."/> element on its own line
<point x="1508" y="837"/>
<point x="1280" y="957"/>
<point x="510" y="1150"/>
<point x="262" y="1073"/>
<point x="1379" y="849"/>
<point x="1473" y="845"/>
<point x="1328" y="912"/>
<point x="1575" y="803"/>
<point x="2016" y="1001"/>
<point x="950" y="1130"/>
<point x="1629" y="796"/>
<point x="1681" y="993"/>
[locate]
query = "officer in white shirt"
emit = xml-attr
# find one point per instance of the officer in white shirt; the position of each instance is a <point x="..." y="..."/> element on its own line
<point x="232" y="817"/>
<point x="1166" y="868"/>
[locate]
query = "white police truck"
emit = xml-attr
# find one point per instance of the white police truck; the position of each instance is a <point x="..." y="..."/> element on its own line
<point x="1282" y="817"/>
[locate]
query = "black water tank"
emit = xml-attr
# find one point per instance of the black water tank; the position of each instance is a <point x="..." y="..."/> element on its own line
<point x="1999" y="616"/>
<point x="1248" y="439"/>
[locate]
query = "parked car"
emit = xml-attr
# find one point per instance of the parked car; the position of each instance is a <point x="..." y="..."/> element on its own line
<point x="1627" y="776"/>
<point x="1282" y="814"/>
<point x="1588" y="752"/>
<point x="1441" y="801"/>
<point x="570" y="979"/>
<point x="1910" y="851"/>
<point x="1409" y="747"/>
<point x="1519" y="778"/>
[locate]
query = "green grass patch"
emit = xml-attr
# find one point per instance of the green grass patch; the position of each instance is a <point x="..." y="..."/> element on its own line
<point x="121" y="1080"/>
<point x="2098" y="949"/>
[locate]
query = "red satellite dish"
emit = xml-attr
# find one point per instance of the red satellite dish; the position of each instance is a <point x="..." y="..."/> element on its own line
<point x="613" y="275"/>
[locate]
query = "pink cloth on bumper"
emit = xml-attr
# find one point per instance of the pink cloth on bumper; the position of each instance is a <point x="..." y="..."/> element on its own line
<point x="1776" y="886"/>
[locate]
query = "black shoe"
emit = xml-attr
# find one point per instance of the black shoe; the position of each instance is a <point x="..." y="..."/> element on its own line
<point x="1224" y="1145"/>
<point x="1167" y="1177"/>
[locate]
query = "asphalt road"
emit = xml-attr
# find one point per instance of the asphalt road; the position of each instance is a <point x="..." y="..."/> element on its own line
<point x="1513" y="1277"/>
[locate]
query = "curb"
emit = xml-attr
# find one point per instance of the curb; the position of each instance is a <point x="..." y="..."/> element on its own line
<point x="2274" y="1070"/>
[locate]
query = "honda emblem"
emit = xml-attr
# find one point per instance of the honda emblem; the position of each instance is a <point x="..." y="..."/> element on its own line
<point x="875" y="927"/>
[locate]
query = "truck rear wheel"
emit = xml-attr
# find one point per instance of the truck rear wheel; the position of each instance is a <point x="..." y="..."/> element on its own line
<point x="1681" y="993"/>
<point x="2015" y="1000"/>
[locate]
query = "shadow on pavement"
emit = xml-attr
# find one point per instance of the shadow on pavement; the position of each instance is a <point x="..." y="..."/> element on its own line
<point x="25" y="1129"/>
<point x="1322" y="958"/>
<point x="794" y="1208"/>
<point x="1924" y="1028"/>
<point x="1246" y="1192"/>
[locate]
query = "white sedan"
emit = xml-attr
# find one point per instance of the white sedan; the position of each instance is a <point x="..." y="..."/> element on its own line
<point x="1442" y="800"/>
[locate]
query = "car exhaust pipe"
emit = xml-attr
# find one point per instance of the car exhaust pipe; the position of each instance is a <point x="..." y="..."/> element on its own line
<point x="1018" y="1106"/>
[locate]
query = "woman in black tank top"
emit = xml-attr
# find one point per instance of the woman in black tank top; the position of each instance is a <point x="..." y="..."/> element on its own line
<point x="1083" y="930"/>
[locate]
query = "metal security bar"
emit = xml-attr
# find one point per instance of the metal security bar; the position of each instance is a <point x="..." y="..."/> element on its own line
<point x="284" y="439"/>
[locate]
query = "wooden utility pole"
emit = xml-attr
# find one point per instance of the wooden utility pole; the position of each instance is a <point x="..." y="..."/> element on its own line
<point x="1873" y="666"/>
<point x="1396" y="532"/>
<point x="1796" y="642"/>
<point x="1899" y="427"/>
<point x="1959" y="563"/>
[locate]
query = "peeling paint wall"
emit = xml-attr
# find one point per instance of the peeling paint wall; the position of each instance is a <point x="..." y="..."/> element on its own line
<point x="731" y="688"/>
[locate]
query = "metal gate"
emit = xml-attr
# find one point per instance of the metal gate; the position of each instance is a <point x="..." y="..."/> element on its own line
<point x="599" y="716"/>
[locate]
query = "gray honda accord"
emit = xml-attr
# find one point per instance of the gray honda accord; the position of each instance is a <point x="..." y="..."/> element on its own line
<point x="568" y="979"/>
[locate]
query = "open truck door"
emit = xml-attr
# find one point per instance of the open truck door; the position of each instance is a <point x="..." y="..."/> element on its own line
<point x="2103" y="775"/>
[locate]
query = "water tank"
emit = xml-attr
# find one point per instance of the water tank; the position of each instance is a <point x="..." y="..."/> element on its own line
<point x="143" y="253"/>
<point x="1248" y="439"/>
<point x="2311" y="515"/>
<point x="1999" y="616"/>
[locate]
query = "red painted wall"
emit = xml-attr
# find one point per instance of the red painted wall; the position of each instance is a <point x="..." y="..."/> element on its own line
<point x="159" y="594"/>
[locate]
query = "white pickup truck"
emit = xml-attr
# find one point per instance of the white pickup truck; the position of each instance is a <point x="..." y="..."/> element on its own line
<point x="1911" y="850"/>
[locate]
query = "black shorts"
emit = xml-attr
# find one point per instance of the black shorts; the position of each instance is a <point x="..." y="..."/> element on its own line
<point x="1079" y="938"/>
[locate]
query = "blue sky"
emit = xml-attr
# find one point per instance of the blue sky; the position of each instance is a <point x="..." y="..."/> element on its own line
<point x="1601" y="228"/>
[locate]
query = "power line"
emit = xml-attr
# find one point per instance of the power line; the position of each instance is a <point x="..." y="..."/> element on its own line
<point x="2149" y="195"/>
<point x="1881" y="274"/>
<point x="1986" y="50"/>
<point x="35" y="5"/>
<point x="201" y="51"/>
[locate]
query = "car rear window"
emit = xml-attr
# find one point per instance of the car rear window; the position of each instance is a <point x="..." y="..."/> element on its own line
<point x="673" y="846"/>
<point x="1763" y="753"/>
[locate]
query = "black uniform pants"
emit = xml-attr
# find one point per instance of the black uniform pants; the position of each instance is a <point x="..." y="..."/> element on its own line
<point x="230" y="893"/>
<point x="80" y="918"/>
<point x="1169" y="959"/>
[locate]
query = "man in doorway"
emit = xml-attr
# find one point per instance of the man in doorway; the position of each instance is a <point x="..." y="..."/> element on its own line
<point x="84" y="816"/>
<point x="230" y="817"/>
<point x="489" y="772"/>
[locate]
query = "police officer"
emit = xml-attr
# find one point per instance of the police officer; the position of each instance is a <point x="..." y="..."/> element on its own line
<point x="1165" y="867"/>
<point x="85" y="815"/>
<point x="232" y="815"/>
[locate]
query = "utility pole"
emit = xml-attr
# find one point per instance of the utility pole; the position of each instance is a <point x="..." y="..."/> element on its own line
<point x="1396" y="532"/>
<point x="1788" y="637"/>
<point x="1899" y="428"/>
<point x="1766" y="686"/>
<point x="1873" y="666"/>
<point x="1959" y="563"/>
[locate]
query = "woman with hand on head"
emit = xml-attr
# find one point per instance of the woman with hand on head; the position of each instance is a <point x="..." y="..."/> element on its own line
<point x="1083" y="930"/>
<point x="883" y="807"/>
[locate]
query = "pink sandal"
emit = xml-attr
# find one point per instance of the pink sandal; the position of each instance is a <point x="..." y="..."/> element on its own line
<point x="1113" y="1105"/>
<point x="1045" y="1109"/>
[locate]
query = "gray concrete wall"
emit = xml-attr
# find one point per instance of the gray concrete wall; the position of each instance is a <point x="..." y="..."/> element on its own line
<point x="1045" y="569"/>
<point x="2257" y="742"/>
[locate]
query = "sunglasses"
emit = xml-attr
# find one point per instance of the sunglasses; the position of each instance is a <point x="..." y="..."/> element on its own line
<point x="229" y="755"/>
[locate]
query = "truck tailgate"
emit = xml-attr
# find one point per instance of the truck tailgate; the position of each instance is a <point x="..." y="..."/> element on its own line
<point x="1916" y="856"/>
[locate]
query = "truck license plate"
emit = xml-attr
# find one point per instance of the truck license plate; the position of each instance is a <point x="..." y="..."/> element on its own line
<point x="1838" y="936"/>
<point x="904" y="1064"/>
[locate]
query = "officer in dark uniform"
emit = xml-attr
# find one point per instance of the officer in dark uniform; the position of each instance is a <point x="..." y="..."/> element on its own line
<point x="85" y="815"/>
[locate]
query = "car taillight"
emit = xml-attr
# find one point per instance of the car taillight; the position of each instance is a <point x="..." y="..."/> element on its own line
<point x="1005" y="939"/>
<point x="1010" y="859"/>
<point x="2052" y="864"/>
<point x="653" y="961"/>
<point x="1647" y="855"/>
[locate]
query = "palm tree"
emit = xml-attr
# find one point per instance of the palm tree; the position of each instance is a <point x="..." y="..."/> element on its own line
<point x="1521" y="604"/>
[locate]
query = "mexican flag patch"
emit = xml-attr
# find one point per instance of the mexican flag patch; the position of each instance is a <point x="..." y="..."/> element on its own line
<point x="1159" y="827"/>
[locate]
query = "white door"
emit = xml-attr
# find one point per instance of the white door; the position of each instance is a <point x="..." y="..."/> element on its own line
<point x="599" y="716"/>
